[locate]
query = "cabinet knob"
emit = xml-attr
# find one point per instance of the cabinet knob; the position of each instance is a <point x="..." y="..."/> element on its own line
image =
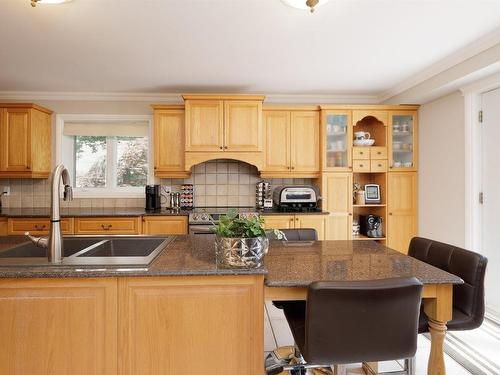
<point x="221" y="147"/>
<point x="361" y="152"/>
<point x="379" y="153"/>
<point x="350" y="213"/>
<point x="390" y="213"/>
<point x="225" y="147"/>
<point x="293" y="167"/>
<point x="379" y="165"/>
<point x="361" y="165"/>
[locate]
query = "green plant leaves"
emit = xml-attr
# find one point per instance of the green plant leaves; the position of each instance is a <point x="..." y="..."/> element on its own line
<point x="232" y="226"/>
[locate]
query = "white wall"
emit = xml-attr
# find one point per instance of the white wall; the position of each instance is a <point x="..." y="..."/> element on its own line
<point x="441" y="170"/>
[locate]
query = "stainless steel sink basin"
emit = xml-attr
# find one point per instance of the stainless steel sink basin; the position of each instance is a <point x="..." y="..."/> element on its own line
<point x="91" y="251"/>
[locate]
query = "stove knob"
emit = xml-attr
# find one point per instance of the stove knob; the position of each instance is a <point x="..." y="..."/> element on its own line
<point x="205" y="217"/>
<point x="195" y="217"/>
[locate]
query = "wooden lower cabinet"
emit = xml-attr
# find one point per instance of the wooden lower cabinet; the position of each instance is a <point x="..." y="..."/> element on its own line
<point x="337" y="200"/>
<point x="164" y="225"/>
<point x="339" y="227"/>
<point x="3" y="226"/>
<point x="108" y="225"/>
<point x="402" y="208"/>
<point x="317" y="222"/>
<point x="17" y="227"/>
<point x="191" y="325"/>
<point x="58" y="326"/>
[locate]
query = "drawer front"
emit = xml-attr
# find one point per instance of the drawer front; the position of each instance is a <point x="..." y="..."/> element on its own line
<point x="3" y="227"/>
<point x="378" y="153"/>
<point x="17" y="227"/>
<point x="107" y="225"/>
<point x="360" y="153"/>
<point x="164" y="225"/>
<point x="379" y="165"/>
<point x="361" y="166"/>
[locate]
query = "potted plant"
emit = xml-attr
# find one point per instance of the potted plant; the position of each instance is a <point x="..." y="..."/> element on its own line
<point x="241" y="242"/>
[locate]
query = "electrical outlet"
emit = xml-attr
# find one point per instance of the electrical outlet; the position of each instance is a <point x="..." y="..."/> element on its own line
<point x="6" y="190"/>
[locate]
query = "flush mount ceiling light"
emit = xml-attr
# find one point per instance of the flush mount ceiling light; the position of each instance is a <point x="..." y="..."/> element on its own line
<point x="35" y="2"/>
<point x="305" y="4"/>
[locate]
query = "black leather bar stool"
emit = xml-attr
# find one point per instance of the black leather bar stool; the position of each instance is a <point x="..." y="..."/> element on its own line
<point x="468" y="298"/>
<point x="349" y="322"/>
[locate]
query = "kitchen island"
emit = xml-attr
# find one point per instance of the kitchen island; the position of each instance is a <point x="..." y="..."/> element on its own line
<point x="183" y="314"/>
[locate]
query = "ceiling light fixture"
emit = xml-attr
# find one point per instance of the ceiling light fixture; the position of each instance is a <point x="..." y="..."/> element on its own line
<point x="305" y="4"/>
<point x="35" y="2"/>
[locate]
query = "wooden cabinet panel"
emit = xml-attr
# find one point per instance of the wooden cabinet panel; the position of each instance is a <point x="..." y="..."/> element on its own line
<point x="377" y="153"/>
<point x="204" y="125"/>
<point x="358" y="115"/>
<point x="277" y="141"/>
<point x="337" y="200"/>
<point x="339" y="227"/>
<point x="107" y="225"/>
<point x="402" y="208"/>
<point x="317" y="222"/>
<point x="360" y="153"/>
<point x="58" y="326"/>
<point x="3" y="226"/>
<point x="164" y="225"/>
<point x="377" y="166"/>
<point x="305" y="141"/>
<point x="25" y="141"/>
<point x="243" y="125"/>
<point x="191" y="325"/>
<point x="361" y="166"/>
<point x="279" y="221"/>
<point x="17" y="227"/>
<point x="403" y="140"/>
<point x="16" y="140"/>
<point x="169" y="142"/>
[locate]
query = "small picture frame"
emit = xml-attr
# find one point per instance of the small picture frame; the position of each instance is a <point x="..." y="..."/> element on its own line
<point x="372" y="194"/>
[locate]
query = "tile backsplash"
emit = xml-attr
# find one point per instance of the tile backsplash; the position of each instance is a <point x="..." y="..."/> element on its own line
<point x="216" y="183"/>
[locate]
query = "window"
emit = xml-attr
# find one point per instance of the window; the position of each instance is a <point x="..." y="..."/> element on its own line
<point x="106" y="158"/>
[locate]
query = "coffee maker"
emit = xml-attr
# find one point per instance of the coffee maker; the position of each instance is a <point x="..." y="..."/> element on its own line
<point x="153" y="199"/>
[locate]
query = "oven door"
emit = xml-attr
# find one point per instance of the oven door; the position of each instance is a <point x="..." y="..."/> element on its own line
<point x="201" y="229"/>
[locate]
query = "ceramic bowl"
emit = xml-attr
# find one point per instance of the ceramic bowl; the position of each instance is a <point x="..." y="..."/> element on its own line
<point x="364" y="142"/>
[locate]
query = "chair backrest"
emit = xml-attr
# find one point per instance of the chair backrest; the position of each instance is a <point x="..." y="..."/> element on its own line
<point x="469" y="266"/>
<point x="304" y="234"/>
<point x="362" y="321"/>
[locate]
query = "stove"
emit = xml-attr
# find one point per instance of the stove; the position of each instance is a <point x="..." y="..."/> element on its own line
<point x="202" y="219"/>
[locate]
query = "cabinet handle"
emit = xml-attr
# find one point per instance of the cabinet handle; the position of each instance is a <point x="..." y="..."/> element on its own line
<point x="390" y="213"/>
<point x="293" y="167"/>
<point x="361" y="152"/>
<point x="225" y="147"/>
<point x="296" y="219"/>
<point x="361" y="165"/>
<point x="39" y="227"/>
<point x="27" y="167"/>
<point x="350" y="213"/>
<point x="106" y="227"/>
<point x="221" y="147"/>
<point x="379" y="153"/>
<point x="379" y="165"/>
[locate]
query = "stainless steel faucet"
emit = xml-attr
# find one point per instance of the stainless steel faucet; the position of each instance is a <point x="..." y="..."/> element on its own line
<point x="55" y="240"/>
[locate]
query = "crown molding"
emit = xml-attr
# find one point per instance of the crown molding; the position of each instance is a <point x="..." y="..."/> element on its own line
<point x="91" y="96"/>
<point x="177" y="98"/>
<point x="463" y="54"/>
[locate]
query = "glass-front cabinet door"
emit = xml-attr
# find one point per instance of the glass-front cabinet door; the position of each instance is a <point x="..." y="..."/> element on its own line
<point x="336" y="134"/>
<point x="403" y="140"/>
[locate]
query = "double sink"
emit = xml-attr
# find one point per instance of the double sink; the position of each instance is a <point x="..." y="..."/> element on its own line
<point x="90" y="251"/>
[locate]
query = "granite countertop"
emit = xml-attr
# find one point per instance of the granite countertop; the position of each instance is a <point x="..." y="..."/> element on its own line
<point x="298" y="266"/>
<point x="122" y="211"/>
<point x="285" y="265"/>
<point x="186" y="255"/>
<point x="90" y="212"/>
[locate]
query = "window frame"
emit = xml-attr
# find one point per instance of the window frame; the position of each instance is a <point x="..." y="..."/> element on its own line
<point x="108" y="192"/>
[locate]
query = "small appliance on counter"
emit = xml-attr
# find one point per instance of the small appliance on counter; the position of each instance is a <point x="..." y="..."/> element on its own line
<point x="371" y="226"/>
<point x="153" y="199"/>
<point x="263" y="195"/>
<point x="304" y="198"/>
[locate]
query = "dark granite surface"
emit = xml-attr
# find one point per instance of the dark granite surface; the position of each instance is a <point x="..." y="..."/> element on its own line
<point x="89" y="212"/>
<point x="298" y="266"/>
<point x="285" y="265"/>
<point x="186" y="255"/>
<point x="121" y="211"/>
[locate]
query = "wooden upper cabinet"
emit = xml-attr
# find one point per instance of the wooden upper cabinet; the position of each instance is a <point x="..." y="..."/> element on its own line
<point x="223" y="123"/>
<point x="336" y="140"/>
<point x="304" y="137"/>
<point x="402" y="208"/>
<point x="25" y="141"/>
<point x="169" y="135"/>
<point x="403" y="140"/>
<point x="204" y="125"/>
<point x="242" y="125"/>
<point x="291" y="143"/>
<point x="277" y="141"/>
<point x="360" y="114"/>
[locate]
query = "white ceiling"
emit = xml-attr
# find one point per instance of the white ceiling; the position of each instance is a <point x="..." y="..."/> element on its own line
<point x="173" y="46"/>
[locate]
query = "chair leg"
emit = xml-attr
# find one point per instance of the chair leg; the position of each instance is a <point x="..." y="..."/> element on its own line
<point x="410" y="366"/>
<point x="339" y="370"/>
